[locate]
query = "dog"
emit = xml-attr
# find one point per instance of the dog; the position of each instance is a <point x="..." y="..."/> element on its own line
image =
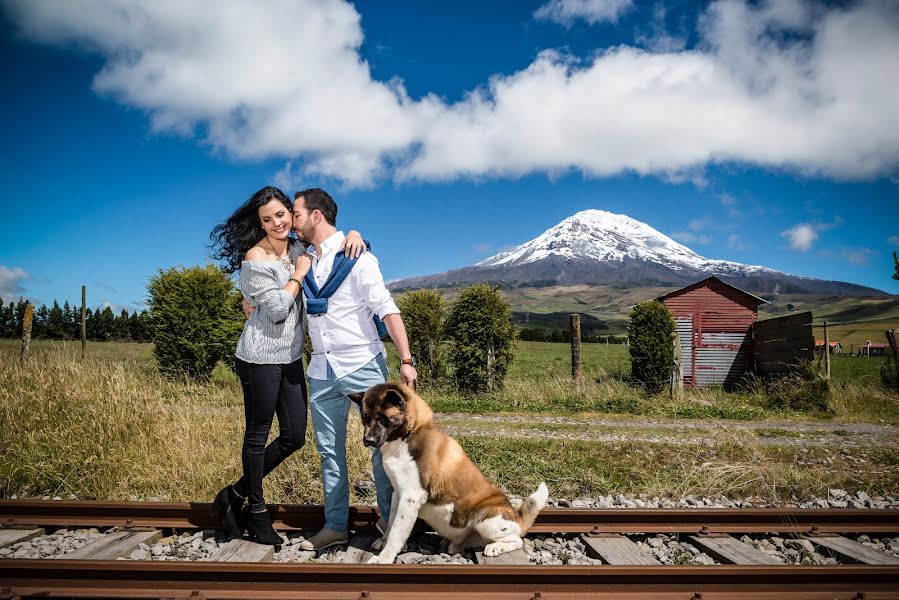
<point x="433" y="479"/>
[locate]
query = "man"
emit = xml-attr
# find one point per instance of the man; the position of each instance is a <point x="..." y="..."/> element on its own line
<point x="347" y="357"/>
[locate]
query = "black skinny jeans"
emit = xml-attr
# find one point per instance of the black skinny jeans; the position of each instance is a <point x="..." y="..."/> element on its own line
<point x="269" y="389"/>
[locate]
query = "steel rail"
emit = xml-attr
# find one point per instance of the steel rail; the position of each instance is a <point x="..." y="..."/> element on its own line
<point x="568" y="520"/>
<point x="138" y="579"/>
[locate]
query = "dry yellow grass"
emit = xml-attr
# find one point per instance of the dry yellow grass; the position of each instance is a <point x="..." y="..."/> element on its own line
<point x="115" y="430"/>
<point x="111" y="427"/>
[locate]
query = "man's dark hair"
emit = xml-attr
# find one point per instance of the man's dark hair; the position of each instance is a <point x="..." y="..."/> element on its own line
<point x="319" y="199"/>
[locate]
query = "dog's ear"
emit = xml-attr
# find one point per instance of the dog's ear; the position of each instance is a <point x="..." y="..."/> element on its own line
<point x="356" y="397"/>
<point x="395" y="398"/>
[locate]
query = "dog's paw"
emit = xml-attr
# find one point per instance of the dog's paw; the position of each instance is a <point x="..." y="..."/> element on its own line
<point x="380" y="559"/>
<point x="453" y="548"/>
<point x="497" y="548"/>
<point x="378" y="544"/>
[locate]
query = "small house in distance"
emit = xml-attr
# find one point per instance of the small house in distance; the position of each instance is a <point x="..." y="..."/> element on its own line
<point x="872" y="349"/>
<point x="835" y="347"/>
<point x="714" y="327"/>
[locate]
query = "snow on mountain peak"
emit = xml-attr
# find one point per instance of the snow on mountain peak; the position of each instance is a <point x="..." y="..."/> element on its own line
<point x="599" y="235"/>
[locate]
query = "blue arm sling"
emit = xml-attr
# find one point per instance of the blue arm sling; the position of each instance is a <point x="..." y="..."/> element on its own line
<point x="317" y="299"/>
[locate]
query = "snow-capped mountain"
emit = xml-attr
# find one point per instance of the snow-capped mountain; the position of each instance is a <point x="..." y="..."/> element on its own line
<point x="598" y="247"/>
<point x="599" y="235"/>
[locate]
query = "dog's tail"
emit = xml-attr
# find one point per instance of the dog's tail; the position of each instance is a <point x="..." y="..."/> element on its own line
<point x="530" y="508"/>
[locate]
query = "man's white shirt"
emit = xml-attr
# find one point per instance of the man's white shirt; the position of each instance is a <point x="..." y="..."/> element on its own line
<point x="345" y="337"/>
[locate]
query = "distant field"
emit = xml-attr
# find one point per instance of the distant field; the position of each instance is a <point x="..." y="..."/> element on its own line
<point x="534" y="361"/>
<point x="102" y="351"/>
<point x="612" y="304"/>
<point x="866" y="318"/>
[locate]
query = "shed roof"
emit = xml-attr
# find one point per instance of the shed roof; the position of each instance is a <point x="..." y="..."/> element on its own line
<point x="705" y="281"/>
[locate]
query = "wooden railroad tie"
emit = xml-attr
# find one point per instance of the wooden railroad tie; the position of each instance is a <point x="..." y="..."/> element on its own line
<point x="114" y="545"/>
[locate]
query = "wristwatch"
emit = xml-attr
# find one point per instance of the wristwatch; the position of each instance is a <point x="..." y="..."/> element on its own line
<point x="409" y="361"/>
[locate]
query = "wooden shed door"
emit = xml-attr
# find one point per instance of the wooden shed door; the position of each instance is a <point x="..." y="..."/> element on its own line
<point x="721" y="358"/>
<point x="685" y="337"/>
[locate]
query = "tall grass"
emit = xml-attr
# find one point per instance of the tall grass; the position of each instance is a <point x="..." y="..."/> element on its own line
<point x="115" y="430"/>
<point x="111" y="427"/>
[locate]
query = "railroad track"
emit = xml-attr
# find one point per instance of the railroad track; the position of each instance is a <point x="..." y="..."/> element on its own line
<point x="240" y="569"/>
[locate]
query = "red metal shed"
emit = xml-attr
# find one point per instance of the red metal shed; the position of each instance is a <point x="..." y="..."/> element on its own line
<point x="714" y="325"/>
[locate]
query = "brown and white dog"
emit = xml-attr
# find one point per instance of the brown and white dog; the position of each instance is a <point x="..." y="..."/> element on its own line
<point x="435" y="480"/>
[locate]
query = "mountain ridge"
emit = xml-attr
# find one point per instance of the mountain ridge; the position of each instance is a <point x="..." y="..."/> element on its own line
<point x="599" y="247"/>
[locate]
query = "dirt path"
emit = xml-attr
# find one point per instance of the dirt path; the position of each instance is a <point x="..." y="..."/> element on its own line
<point x="680" y="431"/>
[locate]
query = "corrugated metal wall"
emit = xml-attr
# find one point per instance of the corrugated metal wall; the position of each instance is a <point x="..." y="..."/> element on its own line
<point x="685" y="337"/>
<point x="722" y="358"/>
<point x="720" y="348"/>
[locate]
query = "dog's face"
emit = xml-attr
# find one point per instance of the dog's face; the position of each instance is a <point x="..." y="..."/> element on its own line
<point x="383" y="409"/>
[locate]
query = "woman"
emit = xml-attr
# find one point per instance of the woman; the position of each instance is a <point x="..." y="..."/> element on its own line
<point x="269" y="359"/>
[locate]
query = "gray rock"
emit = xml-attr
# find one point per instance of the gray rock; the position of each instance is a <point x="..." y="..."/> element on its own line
<point x="410" y="558"/>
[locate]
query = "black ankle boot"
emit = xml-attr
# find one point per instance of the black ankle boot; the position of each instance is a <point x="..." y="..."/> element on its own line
<point x="226" y="506"/>
<point x="260" y="528"/>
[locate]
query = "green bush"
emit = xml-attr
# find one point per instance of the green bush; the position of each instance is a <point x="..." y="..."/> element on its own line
<point x="804" y="389"/>
<point x="423" y="313"/>
<point x="481" y="336"/>
<point x="650" y="331"/>
<point x="195" y="320"/>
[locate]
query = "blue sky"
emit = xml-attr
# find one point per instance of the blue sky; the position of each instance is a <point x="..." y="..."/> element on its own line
<point x="759" y="133"/>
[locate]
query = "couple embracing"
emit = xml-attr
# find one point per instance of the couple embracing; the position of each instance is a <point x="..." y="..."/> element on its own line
<point x="330" y="281"/>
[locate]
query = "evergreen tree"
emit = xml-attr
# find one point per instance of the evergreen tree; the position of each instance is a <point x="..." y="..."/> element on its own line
<point x="20" y="317"/>
<point x="481" y="334"/>
<point x="896" y="266"/>
<point x="650" y="330"/>
<point x="56" y="329"/>
<point x="40" y="326"/>
<point x="89" y="323"/>
<point x="69" y="322"/>
<point x="122" y="326"/>
<point x="136" y="327"/>
<point x="423" y="313"/>
<point x="104" y="324"/>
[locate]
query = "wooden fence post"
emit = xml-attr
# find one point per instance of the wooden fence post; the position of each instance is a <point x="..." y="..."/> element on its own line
<point x="826" y="353"/>
<point x="894" y="346"/>
<point x="676" y="390"/>
<point x="576" y="373"/>
<point x="83" y="319"/>
<point x="26" y="332"/>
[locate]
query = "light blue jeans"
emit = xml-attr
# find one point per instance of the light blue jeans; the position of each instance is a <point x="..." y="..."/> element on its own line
<point x="330" y="408"/>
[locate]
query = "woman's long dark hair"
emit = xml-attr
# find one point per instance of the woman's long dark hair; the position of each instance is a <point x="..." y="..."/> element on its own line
<point x="232" y="239"/>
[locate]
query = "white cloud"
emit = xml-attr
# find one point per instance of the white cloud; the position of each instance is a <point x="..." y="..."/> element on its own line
<point x="801" y="237"/>
<point x="567" y="12"/>
<point x="116" y="308"/>
<point x="735" y="242"/>
<point x="688" y="237"/>
<point x="698" y="224"/>
<point x="857" y="256"/>
<point x="730" y="203"/>
<point x="894" y="240"/>
<point x="771" y="84"/>
<point x="660" y="39"/>
<point x="11" y="283"/>
<point x="284" y="80"/>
